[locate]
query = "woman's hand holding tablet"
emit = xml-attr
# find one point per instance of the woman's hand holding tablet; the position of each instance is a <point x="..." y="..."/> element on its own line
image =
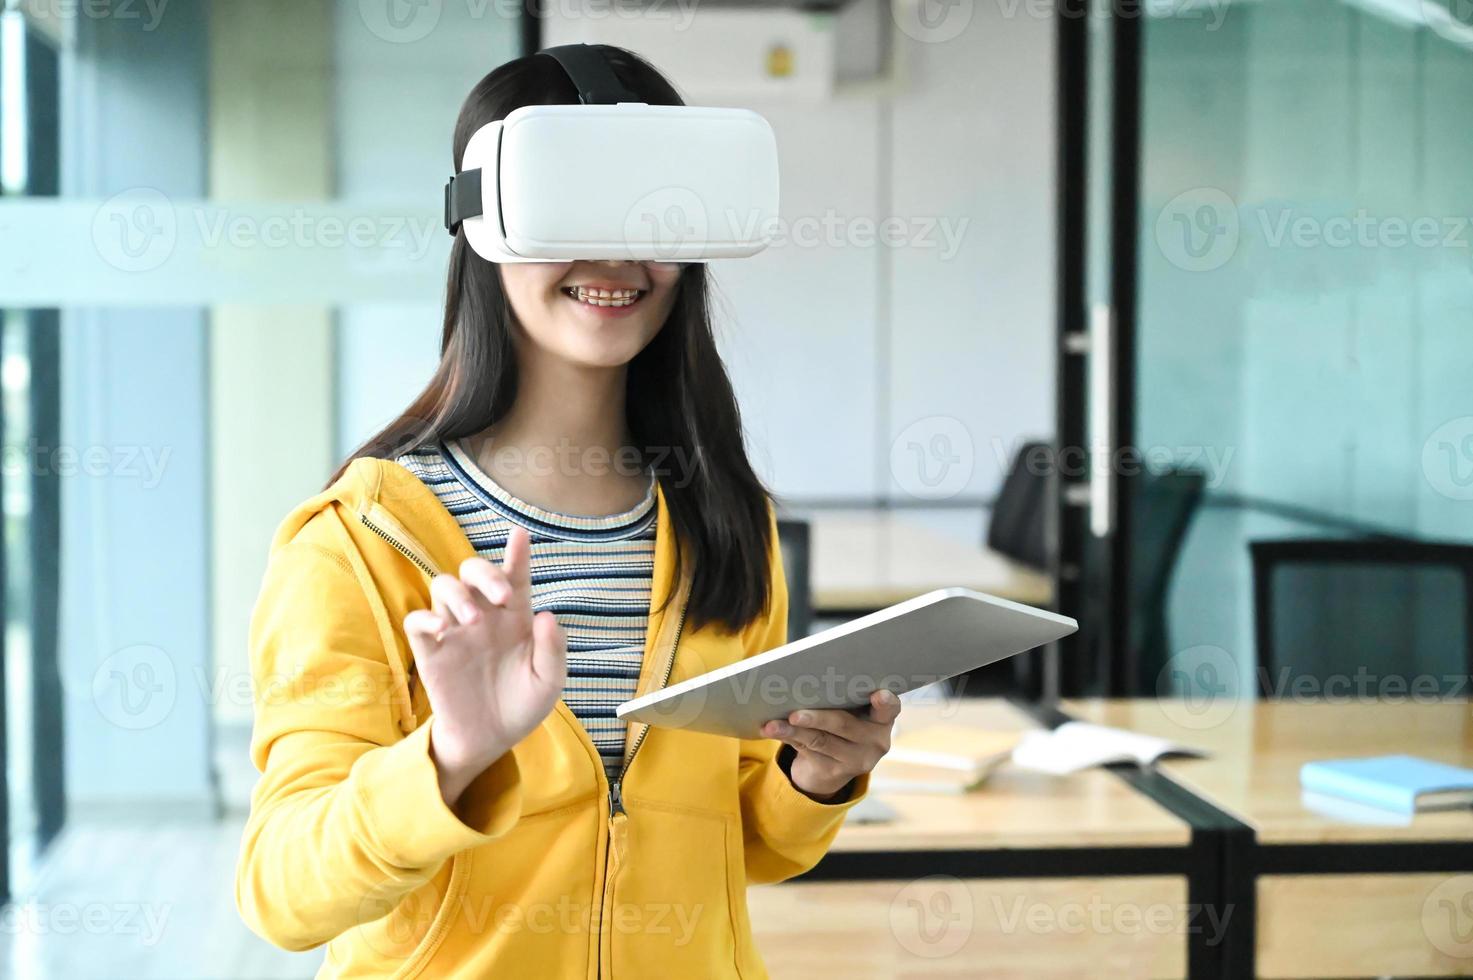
<point x="832" y="746"/>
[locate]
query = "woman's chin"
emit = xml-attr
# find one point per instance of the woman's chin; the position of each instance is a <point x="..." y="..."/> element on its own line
<point x="610" y="343"/>
<point x="599" y="355"/>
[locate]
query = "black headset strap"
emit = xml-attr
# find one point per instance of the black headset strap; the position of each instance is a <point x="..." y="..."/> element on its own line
<point x="591" y="74"/>
<point x="462" y="198"/>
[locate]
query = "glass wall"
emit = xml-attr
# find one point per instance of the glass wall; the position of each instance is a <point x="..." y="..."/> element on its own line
<point x="1305" y="331"/>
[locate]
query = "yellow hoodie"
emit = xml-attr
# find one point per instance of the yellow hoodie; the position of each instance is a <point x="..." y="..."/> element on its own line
<point x="543" y="870"/>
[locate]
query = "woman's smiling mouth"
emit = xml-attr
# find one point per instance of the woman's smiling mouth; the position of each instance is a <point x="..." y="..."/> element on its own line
<point x="600" y="297"/>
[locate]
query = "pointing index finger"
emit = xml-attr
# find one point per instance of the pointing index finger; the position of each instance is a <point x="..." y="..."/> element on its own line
<point x="516" y="562"/>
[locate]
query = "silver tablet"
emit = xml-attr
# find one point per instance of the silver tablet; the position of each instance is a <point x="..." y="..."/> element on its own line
<point x="909" y="645"/>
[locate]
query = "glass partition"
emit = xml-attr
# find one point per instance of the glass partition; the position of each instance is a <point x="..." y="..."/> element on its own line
<point x="1305" y="326"/>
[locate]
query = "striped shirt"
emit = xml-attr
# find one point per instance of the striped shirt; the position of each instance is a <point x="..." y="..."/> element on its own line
<point x="594" y="574"/>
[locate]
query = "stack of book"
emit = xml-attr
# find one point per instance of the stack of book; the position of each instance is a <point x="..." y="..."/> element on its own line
<point x="1400" y="784"/>
<point x="948" y="759"/>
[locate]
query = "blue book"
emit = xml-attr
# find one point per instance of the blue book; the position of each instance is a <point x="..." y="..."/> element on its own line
<point x="1402" y="783"/>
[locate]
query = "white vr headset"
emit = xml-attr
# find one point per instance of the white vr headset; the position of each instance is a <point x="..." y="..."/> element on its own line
<point x="615" y="178"/>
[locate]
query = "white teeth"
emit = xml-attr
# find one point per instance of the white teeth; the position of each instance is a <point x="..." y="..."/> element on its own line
<point x="604" y="297"/>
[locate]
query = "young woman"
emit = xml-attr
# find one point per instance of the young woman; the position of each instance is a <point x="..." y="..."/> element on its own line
<point x="564" y="517"/>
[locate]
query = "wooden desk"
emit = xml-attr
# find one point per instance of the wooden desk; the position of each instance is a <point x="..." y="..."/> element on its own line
<point x="1334" y="896"/>
<point x="1016" y="809"/>
<point x="868" y="559"/>
<point x="1030" y="876"/>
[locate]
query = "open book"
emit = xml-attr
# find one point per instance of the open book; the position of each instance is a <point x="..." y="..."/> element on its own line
<point x="941" y="759"/>
<point x="1077" y="745"/>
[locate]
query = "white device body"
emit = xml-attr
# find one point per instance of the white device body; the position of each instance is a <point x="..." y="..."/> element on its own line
<point x="631" y="182"/>
<point x="900" y="648"/>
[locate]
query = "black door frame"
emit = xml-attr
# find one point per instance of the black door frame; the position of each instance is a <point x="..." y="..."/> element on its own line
<point x="42" y="549"/>
<point x="1093" y="573"/>
<point x="1069" y="526"/>
<point x="43" y="345"/>
<point x="531" y="28"/>
<point x="1125" y="196"/>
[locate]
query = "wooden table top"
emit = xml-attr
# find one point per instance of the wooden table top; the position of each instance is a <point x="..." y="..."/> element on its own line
<point x="1014" y="809"/>
<point x="1258" y="747"/>
<point x="869" y="559"/>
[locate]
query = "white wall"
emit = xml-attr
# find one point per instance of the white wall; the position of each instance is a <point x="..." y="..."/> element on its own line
<point x="973" y="139"/>
<point x="834" y="349"/>
<point x="800" y="328"/>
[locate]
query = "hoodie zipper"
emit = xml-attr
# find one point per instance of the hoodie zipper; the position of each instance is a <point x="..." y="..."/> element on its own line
<point x="616" y="788"/>
<point x="618" y="818"/>
<point x="395" y="542"/>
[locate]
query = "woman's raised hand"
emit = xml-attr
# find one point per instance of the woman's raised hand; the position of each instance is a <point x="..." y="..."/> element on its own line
<point x="491" y="668"/>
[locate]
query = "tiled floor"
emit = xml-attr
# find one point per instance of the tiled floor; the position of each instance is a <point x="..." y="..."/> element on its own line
<point x="138" y="901"/>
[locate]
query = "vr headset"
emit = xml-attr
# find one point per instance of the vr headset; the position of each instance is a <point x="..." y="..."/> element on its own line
<point x="615" y="178"/>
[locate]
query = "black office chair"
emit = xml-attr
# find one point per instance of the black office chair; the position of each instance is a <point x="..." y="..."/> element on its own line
<point x="1377" y="615"/>
<point x="1017" y="526"/>
<point x="1162" y="508"/>
<point x="1016" y="529"/>
<point x="1163" y="505"/>
<point x="792" y="539"/>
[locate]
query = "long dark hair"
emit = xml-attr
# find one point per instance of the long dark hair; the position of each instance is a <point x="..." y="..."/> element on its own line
<point x="680" y="402"/>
